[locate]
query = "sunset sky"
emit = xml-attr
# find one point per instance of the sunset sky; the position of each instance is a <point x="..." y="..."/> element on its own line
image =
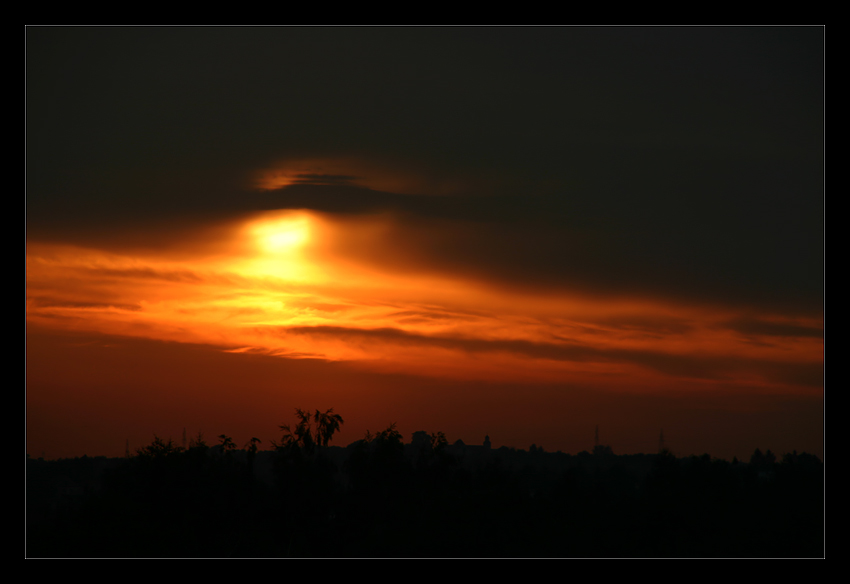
<point x="515" y="232"/>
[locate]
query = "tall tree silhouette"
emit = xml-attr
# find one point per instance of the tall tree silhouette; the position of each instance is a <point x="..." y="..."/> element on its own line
<point x="327" y="424"/>
<point x="298" y="438"/>
<point x="311" y="430"/>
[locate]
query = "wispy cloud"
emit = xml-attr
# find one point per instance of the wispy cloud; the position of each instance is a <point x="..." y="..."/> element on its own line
<point x="289" y="289"/>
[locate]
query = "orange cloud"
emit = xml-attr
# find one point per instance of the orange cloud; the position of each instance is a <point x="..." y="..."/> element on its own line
<point x="301" y="284"/>
<point x="390" y="176"/>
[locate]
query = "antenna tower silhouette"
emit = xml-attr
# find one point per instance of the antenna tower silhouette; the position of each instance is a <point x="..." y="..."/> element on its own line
<point x="596" y="438"/>
<point x="661" y="441"/>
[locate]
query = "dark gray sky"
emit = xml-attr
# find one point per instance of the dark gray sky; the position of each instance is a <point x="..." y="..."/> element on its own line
<point x="571" y="222"/>
<point x="684" y="161"/>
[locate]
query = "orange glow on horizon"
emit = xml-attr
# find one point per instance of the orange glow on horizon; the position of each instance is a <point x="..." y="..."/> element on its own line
<point x="290" y="286"/>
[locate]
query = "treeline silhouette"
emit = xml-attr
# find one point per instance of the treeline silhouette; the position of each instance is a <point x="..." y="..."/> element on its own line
<point x="383" y="497"/>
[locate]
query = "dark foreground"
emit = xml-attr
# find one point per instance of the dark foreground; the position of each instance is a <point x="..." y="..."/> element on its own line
<point x="380" y="497"/>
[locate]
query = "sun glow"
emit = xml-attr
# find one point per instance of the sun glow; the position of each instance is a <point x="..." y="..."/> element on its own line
<point x="301" y="284"/>
<point x="282" y="235"/>
<point x="278" y="245"/>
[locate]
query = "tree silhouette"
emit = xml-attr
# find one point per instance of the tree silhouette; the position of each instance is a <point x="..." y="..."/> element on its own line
<point x="299" y="438"/>
<point x="439" y="441"/>
<point x="390" y="436"/>
<point x="251" y="449"/>
<point x="158" y="449"/>
<point x="327" y="424"/>
<point x="198" y="442"/>
<point x="304" y="436"/>
<point x="226" y="443"/>
<point x="251" y="446"/>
